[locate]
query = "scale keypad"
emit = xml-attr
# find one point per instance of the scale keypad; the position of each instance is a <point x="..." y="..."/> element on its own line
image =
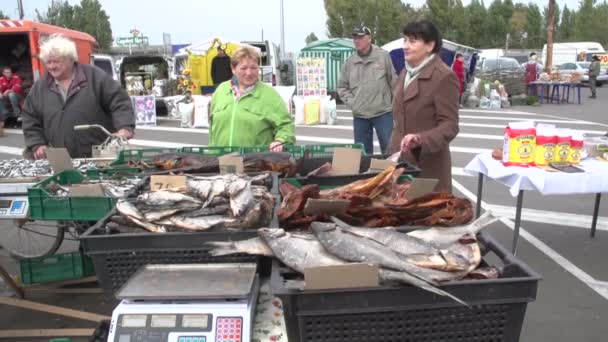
<point x="228" y="329"/>
<point x="192" y="339"/>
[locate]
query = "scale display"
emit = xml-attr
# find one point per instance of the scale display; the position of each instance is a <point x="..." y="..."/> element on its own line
<point x="12" y="207"/>
<point x="5" y="204"/>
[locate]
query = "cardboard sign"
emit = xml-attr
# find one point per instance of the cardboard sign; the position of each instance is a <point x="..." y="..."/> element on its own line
<point x="341" y="276"/>
<point x="231" y="163"/>
<point x="87" y="190"/>
<point x="167" y="182"/>
<point x="321" y="206"/>
<point x="379" y="165"/>
<point x="421" y="186"/>
<point x="346" y="161"/>
<point x="60" y="159"/>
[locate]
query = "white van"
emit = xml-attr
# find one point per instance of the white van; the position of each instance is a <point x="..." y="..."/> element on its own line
<point x="572" y="52"/>
<point x="270" y="58"/>
<point x="105" y="63"/>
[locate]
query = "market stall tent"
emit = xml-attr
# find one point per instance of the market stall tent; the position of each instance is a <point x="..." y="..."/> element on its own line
<point x="447" y="53"/>
<point x="199" y="57"/>
<point x="335" y="51"/>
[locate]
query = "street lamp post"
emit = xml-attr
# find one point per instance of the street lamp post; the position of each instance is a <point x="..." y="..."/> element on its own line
<point x="282" y="30"/>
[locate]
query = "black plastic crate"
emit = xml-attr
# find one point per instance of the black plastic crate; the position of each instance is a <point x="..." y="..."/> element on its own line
<point x="307" y="165"/>
<point x="117" y="256"/>
<point x="407" y="313"/>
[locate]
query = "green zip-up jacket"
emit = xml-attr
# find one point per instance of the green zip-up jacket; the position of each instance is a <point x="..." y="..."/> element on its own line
<point x="257" y="119"/>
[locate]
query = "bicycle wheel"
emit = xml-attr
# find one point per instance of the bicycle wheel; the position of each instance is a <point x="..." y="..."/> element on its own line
<point x="31" y="239"/>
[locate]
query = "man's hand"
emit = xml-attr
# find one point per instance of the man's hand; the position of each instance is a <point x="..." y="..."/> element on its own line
<point x="40" y="152"/>
<point x="125" y="133"/>
<point x="410" y="142"/>
<point x="276" y="146"/>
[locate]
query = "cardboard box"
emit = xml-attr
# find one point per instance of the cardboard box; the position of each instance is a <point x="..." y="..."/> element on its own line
<point x="341" y="276"/>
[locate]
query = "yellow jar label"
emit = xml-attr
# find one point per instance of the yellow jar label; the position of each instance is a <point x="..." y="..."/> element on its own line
<point x="575" y="155"/>
<point x="563" y="152"/>
<point x="545" y="154"/>
<point x="521" y="149"/>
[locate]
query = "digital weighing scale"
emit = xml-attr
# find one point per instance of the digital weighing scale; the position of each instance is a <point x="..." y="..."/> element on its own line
<point x="13" y="200"/>
<point x="187" y="303"/>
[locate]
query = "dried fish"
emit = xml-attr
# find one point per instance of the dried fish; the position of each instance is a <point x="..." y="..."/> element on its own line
<point x="23" y="168"/>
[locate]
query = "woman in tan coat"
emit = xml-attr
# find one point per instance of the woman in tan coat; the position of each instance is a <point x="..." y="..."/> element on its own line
<point x="425" y="105"/>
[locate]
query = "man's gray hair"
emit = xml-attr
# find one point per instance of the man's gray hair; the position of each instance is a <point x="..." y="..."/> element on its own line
<point x="58" y="46"/>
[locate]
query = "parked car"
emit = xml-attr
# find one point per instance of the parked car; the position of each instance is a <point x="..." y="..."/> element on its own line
<point x="581" y="68"/>
<point x="506" y="70"/>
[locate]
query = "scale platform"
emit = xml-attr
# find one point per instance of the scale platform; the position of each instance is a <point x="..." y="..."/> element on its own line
<point x="187" y="303"/>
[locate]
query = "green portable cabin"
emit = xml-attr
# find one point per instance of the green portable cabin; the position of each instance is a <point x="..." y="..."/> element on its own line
<point x="335" y="51"/>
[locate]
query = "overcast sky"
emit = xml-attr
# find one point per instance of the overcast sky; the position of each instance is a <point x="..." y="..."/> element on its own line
<point x="197" y="20"/>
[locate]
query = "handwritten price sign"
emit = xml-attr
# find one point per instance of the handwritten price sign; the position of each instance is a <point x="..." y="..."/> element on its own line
<point x="167" y="182"/>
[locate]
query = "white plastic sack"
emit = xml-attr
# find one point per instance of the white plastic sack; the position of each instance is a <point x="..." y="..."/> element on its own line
<point x="185" y="111"/>
<point x="332" y="114"/>
<point x="286" y="94"/>
<point x="504" y="102"/>
<point x="171" y="104"/>
<point x="324" y="113"/>
<point x="494" y="95"/>
<point x="201" y="111"/>
<point x="484" y="103"/>
<point x="298" y="103"/>
<point x="495" y="104"/>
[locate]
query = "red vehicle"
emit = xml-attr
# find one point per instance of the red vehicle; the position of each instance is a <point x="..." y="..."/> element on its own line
<point x="20" y="47"/>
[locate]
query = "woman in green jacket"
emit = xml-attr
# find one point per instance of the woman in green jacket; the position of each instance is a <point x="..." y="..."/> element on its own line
<point x="246" y="112"/>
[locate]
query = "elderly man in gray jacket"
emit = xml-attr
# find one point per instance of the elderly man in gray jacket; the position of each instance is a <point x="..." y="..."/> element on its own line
<point x="73" y="94"/>
<point x="366" y="87"/>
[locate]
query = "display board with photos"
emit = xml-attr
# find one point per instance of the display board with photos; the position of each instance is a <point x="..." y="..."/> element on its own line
<point x="311" y="76"/>
<point x="145" y="110"/>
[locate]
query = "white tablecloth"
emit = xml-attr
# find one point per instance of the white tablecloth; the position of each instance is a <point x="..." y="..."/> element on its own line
<point x="593" y="180"/>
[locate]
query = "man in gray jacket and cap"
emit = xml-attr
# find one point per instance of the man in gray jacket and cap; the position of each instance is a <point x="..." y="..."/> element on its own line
<point x="366" y="87"/>
<point x="72" y="94"/>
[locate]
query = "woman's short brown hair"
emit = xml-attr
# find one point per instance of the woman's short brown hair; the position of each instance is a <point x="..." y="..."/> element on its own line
<point x="244" y="52"/>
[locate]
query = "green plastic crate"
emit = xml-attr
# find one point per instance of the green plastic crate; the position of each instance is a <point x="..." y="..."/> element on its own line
<point x="45" y="206"/>
<point x="146" y="154"/>
<point x="327" y="150"/>
<point x="295" y="150"/>
<point x="113" y="172"/>
<point x="57" y="267"/>
<point x="336" y="181"/>
<point x="210" y="150"/>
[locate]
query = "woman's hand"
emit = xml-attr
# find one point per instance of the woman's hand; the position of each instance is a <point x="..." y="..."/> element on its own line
<point x="125" y="133"/>
<point x="40" y="152"/>
<point x="276" y="146"/>
<point x="410" y="142"/>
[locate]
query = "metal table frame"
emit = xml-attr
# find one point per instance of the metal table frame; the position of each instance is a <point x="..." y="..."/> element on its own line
<point x="554" y="87"/>
<point x="520" y="200"/>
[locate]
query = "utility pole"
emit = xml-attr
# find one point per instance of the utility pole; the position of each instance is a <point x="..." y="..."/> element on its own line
<point x="282" y="31"/>
<point x="20" y="6"/>
<point x="550" y="36"/>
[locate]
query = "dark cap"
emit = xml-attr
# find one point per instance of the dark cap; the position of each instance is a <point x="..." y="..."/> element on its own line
<point x="361" y="30"/>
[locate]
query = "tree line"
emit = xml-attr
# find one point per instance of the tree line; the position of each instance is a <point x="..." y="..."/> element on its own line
<point x="502" y="23"/>
<point x="88" y="16"/>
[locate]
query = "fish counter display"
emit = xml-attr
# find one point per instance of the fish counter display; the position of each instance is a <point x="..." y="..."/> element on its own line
<point x="376" y="201"/>
<point x="215" y="202"/>
<point x="23" y="168"/>
<point x="422" y="258"/>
